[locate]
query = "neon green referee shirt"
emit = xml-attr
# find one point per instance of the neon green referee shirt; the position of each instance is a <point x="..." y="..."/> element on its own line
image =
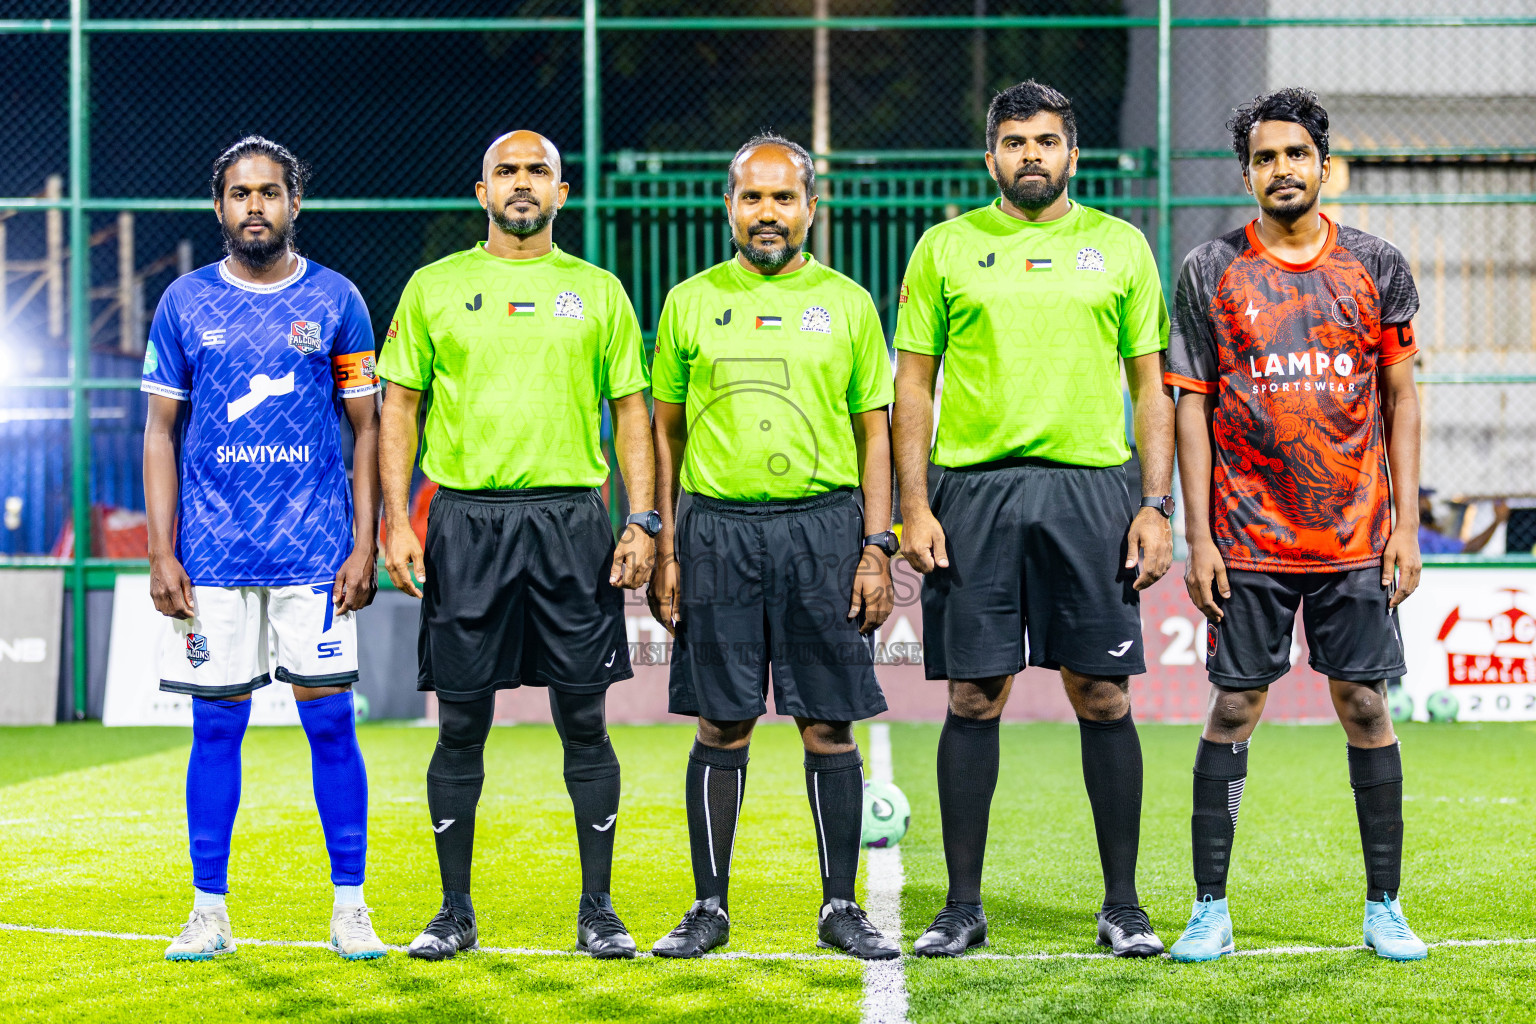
<point x="1032" y="321"/>
<point x="516" y="357"/>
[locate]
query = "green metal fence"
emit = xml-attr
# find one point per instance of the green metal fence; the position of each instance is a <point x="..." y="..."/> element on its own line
<point x="907" y="83"/>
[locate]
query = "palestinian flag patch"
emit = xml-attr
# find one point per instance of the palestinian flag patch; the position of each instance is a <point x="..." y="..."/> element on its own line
<point x="519" y="309"/>
<point x="769" y="323"/>
<point x="1037" y="265"/>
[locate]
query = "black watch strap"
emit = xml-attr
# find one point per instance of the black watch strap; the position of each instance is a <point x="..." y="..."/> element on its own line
<point x="885" y="540"/>
<point x="1162" y="502"/>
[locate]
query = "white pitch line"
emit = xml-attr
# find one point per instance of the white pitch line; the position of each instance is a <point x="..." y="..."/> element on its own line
<point x="885" y="981"/>
<point x="84" y="933"/>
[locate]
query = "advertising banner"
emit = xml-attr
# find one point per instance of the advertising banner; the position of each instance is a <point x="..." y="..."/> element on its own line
<point x="31" y="611"/>
<point x="1471" y="633"/>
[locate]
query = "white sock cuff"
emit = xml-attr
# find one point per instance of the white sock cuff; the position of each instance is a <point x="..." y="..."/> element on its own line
<point x="349" y="895"/>
<point x="202" y="899"/>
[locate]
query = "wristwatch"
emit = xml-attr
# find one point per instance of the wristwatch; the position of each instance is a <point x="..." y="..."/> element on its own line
<point x="886" y="541"/>
<point x="1163" y="503"/>
<point x="649" y="521"/>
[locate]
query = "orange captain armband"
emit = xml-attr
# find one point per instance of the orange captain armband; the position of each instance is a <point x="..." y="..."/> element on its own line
<point x="353" y="370"/>
<point x="1397" y="343"/>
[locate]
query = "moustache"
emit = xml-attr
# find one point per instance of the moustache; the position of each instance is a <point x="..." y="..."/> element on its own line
<point x="1032" y="169"/>
<point x="1276" y="186"/>
<point x="256" y="222"/>
<point x="521" y="197"/>
<point x="760" y="229"/>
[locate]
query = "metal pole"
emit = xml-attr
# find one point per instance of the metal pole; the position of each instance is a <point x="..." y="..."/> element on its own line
<point x="821" y="123"/>
<point x="1165" y="145"/>
<point x="79" y="336"/>
<point x="592" y="136"/>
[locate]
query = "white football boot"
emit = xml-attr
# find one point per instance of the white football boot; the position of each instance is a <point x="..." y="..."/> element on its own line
<point x="352" y="934"/>
<point x="206" y="936"/>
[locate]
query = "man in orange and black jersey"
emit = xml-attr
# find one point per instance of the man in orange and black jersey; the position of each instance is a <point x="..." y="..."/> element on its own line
<point x="1298" y="438"/>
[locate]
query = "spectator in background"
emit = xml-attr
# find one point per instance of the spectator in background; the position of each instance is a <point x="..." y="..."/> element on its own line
<point x="1434" y="541"/>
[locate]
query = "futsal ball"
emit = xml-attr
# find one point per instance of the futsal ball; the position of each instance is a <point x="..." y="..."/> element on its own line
<point x="359" y="707"/>
<point x="1442" y="706"/>
<point x="1400" y="705"/>
<point x="886" y="815"/>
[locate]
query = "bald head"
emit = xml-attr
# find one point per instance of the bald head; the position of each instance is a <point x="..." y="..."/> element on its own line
<point x="521" y="190"/>
<point x="519" y="148"/>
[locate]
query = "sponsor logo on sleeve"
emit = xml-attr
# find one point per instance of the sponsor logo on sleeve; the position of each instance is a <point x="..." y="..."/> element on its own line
<point x="151" y="358"/>
<point x="394" y="328"/>
<point x="817" y="320"/>
<point x="304" y="337"/>
<point x="901" y="300"/>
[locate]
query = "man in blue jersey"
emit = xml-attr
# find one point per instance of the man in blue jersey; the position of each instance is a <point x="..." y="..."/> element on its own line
<point x="260" y="550"/>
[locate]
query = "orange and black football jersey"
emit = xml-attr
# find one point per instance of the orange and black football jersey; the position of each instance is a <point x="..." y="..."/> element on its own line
<point x="1299" y="468"/>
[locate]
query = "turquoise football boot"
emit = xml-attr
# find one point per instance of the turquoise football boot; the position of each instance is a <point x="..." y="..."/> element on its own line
<point x="1387" y="932"/>
<point x="1208" y="934"/>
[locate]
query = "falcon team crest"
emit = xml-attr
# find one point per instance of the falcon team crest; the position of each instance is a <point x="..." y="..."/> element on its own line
<point x="568" y="305"/>
<point x="817" y="320"/>
<point x="197" y="649"/>
<point x="304" y="336"/>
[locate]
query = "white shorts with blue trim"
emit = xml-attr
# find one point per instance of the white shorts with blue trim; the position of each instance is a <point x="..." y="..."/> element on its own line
<point x="241" y="637"/>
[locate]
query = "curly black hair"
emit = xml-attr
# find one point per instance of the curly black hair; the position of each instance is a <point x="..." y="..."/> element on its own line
<point x="1022" y="102"/>
<point x="1298" y="106"/>
<point x="295" y="172"/>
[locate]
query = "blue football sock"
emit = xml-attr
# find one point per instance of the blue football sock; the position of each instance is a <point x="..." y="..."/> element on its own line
<point x="341" y="783"/>
<point x="213" y="787"/>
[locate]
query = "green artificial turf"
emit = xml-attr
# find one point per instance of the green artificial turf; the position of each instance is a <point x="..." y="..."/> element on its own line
<point x="93" y="837"/>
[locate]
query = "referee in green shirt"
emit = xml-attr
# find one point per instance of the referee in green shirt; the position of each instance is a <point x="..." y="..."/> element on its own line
<point x="1031" y="305"/>
<point x="510" y="348"/>
<point x="771" y="387"/>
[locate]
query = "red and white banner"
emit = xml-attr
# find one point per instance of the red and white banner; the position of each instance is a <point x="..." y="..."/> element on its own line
<point x="1473" y="632"/>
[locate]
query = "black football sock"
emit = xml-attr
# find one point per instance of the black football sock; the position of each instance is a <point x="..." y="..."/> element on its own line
<point x="834" y="784"/>
<point x="968" y="756"/>
<point x="592" y="779"/>
<point x="1220" y="771"/>
<point x="454" y="779"/>
<point x="715" y="784"/>
<point x="1376" y="774"/>
<point x="1112" y="773"/>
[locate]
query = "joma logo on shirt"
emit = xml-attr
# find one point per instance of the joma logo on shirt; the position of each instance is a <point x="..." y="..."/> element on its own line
<point x="262" y="453"/>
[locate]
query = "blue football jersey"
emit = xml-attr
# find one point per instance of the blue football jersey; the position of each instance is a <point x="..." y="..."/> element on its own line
<point x="265" y="499"/>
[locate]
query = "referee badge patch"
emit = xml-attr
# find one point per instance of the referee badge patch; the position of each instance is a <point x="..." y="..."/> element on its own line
<point x="568" y="305"/>
<point x="817" y="320"/>
<point x="1089" y="258"/>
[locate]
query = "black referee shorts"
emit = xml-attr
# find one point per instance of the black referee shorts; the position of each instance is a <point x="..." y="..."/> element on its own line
<point x="767" y="585"/>
<point x="1352" y="634"/>
<point x="1035" y="548"/>
<point x="517" y="593"/>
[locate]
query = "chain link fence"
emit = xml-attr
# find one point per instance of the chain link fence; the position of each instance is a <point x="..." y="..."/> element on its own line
<point x="393" y="102"/>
